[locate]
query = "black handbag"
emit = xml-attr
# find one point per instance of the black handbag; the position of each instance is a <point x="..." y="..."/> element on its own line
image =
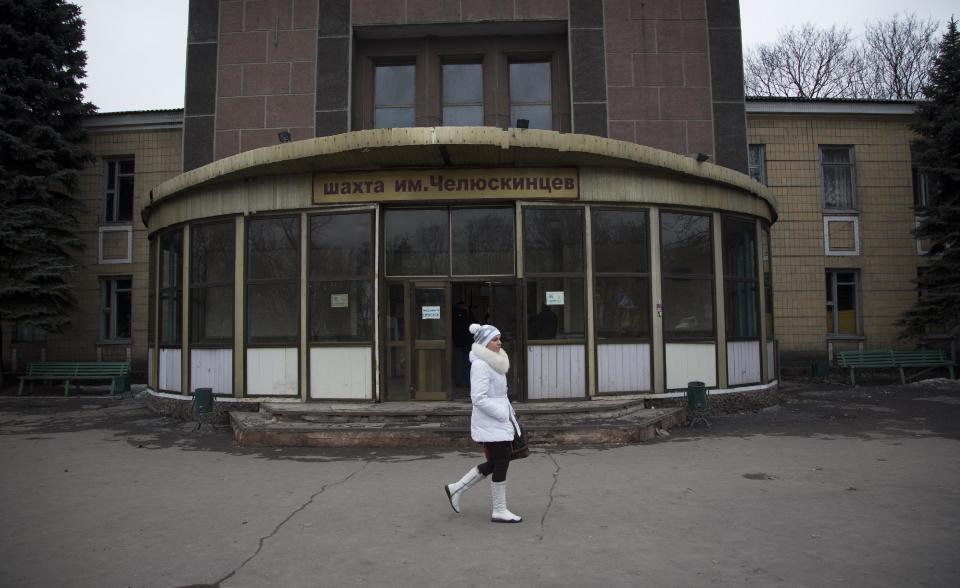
<point x="518" y="447"/>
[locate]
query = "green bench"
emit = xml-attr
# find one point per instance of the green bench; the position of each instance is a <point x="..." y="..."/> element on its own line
<point x="921" y="358"/>
<point x="74" y="371"/>
<point x="887" y="358"/>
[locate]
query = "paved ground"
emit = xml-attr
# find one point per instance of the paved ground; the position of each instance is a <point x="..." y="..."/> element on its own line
<point x="838" y="486"/>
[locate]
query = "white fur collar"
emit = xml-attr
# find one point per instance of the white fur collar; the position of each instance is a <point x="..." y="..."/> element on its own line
<point x="499" y="361"/>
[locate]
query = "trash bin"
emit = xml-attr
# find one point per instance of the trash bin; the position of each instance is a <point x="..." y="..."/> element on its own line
<point x="819" y="370"/>
<point x="696" y="396"/>
<point x="203" y="400"/>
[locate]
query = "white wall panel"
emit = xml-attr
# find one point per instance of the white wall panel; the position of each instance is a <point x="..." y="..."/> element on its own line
<point x="272" y="372"/>
<point x="556" y="371"/>
<point x="150" y="366"/>
<point x="691" y="362"/>
<point x="170" y="370"/>
<point x="743" y="362"/>
<point x="341" y="373"/>
<point x="623" y="367"/>
<point x="212" y="368"/>
<point x="771" y="360"/>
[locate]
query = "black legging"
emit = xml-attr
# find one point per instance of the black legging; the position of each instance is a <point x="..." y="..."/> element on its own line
<point x="498" y="459"/>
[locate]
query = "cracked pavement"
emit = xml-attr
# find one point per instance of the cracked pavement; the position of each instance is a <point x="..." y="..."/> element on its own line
<point x="837" y="486"/>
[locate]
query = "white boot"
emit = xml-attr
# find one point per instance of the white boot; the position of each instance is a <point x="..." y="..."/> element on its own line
<point x="455" y="490"/>
<point x="498" y="491"/>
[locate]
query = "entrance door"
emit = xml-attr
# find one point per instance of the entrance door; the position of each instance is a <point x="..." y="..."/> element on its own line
<point x="431" y="329"/>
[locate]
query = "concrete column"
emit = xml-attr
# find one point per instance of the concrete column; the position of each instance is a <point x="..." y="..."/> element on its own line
<point x="239" y="353"/>
<point x="659" y="366"/>
<point x="185" y="305"/>
<point x="590" y="339"/>
<point x="719" y="314"/>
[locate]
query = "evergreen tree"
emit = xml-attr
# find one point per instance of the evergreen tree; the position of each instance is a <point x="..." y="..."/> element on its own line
<point x="938" y="155"/>
<point x="42" y="150"/>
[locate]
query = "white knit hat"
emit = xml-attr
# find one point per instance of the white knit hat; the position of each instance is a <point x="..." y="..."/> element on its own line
<point x="483" y="334"/>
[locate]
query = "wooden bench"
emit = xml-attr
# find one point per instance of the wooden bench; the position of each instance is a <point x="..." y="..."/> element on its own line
<point x="73" y="371"/>
<point x="853" y="360"/>
<point x="921" y="358"/>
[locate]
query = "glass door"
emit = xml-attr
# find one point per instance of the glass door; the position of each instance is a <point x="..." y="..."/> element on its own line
<point x="430" y="319"/>
<point x="504" y="314"/>
<point x="396" y="375"/>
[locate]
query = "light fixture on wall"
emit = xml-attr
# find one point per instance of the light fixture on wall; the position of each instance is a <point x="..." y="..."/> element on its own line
<point x="284" y="136"/>
<point x="523" y="123"/>
<point x="701" y="157"/>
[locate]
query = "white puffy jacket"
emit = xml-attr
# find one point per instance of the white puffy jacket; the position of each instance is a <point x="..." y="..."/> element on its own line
<point x="492" y="418"/>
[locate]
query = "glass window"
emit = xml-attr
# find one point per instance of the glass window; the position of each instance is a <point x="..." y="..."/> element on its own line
<point x="341" y="277"/>
<point x="118" y="191"/>
<point x="483" y="241"/>
<point x="621" y="262"/>
<point x="116" y="295"/>
<point x="767" y="280"/>
<point x="836" y="163"/>
<point x="273" y="271"/>
<point x="417" y="242"/>
<point x="842" y="318"/>
<point x="757" y="162"/>
<point x="686" y="248"/>
<point x="171" y="272"/>
<point x="152" y="292"/>
<point x="553" y="240"/>
<point x="531" y="94"/>
<point x="921" y="189"/>
<point x="555" y="308"/>
<point x="394" y="96"/>
<point x="741" y="296"/>
<point x="462" y="94"/>
<point x="211" y="283"/>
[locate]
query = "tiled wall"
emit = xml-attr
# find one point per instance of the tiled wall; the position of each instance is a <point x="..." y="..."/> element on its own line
<point x="888" y="257"/>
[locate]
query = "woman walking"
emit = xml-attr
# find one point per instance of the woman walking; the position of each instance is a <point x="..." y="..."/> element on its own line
<point x="492" y="421"/>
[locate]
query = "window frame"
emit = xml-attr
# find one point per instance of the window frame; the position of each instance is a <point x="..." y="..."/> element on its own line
<point x="732" y="278"/>
<point x="639" y="276"/>
<point x="173" y="293"/>
<point x="109" y="215"/>
<point x="109" y="288"/>
<point x="853" y="178"/>
<point x="395" y="62"/>
<point x="831" y="301"/>
<point x="463" y="60"/>
<point x="711" y="278"/>
<point x="196" y="287"/>
<point x="762" y="167"/>
<point x="271" y="342"/>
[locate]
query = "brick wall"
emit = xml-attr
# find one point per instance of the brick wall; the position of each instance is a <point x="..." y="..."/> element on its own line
<point x="888" y="257"/>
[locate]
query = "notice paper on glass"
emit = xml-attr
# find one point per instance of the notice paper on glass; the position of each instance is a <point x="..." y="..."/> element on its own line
<point x="339" y="300"/>
<point x="430" y="313"/>
<point x="555" y="298"/>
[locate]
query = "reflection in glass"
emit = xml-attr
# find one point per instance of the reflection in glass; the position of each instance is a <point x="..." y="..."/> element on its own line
<point x="273" y="246"/>
<point x="341" y="245"/>
<point x="171" y="271"/>
<point x="211" y="253"/>
<point x="740" y="275"/>
<point x="417" y="242"/>
<point x="620" y="241"/>
<point x="483" y="241"/>
<point x="428" y="318"/>
<point x="462" y="94"/>
<point x="553" y="240"/>
<point x="622" y="307"/>
<point x="563" y="317"/>
<point x="341" y="311"/>
<point x="272" y="312"/>
<point x="394" y="96"/>
<point x="686" y="247"/>
<point x="211" y="315"/>
<point x="687" y="308"/>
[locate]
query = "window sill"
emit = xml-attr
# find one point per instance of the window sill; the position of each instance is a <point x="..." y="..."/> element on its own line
<point x="845" y="337"/>
<point x="840" y="211"/>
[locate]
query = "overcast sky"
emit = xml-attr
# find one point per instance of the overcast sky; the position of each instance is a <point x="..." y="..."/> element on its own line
<point x="136" y="49"/>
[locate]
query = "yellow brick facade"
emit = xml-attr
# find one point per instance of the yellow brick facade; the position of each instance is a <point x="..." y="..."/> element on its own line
<point x="887" y="261"/>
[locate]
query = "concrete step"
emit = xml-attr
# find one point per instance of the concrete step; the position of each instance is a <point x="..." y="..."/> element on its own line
<point x="265" y="429"/>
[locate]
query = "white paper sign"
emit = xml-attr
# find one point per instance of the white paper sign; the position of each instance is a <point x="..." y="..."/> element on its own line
<point x="555" y="298"/>
<point x="339" y="300"/>
<point x="430" y="313"/>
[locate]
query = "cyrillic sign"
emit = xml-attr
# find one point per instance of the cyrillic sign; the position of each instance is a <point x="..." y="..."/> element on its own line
<point x="446" y="184"/>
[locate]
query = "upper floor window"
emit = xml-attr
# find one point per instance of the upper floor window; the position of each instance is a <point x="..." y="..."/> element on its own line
<point x="530" y="95"/>
<point x="757" y="163"/>
<point x="462" y="94"/>
<point x="118" y="191"/>
<point x="394" y="96"/>
<point x="836" y="168"/>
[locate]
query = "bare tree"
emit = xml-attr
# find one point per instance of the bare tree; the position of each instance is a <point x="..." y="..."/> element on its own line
<point x="897" y="55"/>
<point x="806" y="62"/>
